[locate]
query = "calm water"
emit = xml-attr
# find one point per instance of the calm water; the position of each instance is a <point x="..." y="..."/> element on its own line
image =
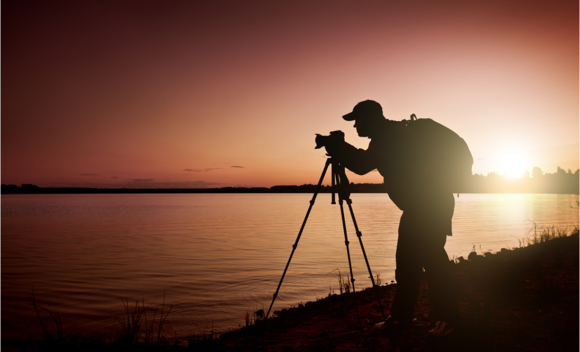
<point x="216" y="256"/>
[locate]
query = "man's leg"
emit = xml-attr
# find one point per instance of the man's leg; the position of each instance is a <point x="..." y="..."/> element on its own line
<point x="408" y="272"/>
<point x="442" y="291"/>
<point x="436" y="261"/>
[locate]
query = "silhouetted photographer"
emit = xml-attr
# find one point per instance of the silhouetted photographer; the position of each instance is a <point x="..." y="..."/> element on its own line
<point x="420" y="161"/>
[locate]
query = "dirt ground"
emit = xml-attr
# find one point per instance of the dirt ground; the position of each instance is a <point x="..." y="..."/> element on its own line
<point x="524" y="299"/>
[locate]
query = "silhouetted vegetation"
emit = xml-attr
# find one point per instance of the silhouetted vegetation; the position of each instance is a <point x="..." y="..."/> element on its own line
<point x="537" y="182"/>
<point x="24" y="188"/>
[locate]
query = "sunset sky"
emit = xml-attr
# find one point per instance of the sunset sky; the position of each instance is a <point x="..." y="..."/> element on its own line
<point x="178" y="94"/>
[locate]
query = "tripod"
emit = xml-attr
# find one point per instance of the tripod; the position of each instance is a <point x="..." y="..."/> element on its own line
<point x="340" y="185"/>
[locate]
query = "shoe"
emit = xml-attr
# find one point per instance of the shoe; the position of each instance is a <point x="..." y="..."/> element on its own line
<point x="441" y="329"/>
<point x="392" y="323"/>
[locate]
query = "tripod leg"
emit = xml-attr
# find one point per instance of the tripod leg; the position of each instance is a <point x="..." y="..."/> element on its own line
<point x="332" y="185"/>
<point x="328" y="162"/>
<point x="345" y="194"/>
<point x="359" y="235"/>
<point x="340" y="201"/>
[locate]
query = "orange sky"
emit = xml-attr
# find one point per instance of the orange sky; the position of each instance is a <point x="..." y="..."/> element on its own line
<point x="174" y="94"/>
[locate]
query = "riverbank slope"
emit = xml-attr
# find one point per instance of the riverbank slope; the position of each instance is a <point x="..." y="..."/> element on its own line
<point x="524" y="299"/>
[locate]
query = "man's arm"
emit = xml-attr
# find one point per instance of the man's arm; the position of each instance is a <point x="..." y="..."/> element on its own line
<point x="359" y="161"/>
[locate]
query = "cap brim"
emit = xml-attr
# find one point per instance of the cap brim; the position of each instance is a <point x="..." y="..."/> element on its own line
<point x="349" y="117"/>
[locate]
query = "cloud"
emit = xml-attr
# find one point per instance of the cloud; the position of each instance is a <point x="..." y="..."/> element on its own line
<point x="238" y="167"/>
<point x="202" y="170"/>
<point x="142" y="180"/>
<point x="89" y="174"/>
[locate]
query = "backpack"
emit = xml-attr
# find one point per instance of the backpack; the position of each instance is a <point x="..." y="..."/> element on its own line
<point x="446" y="154"/>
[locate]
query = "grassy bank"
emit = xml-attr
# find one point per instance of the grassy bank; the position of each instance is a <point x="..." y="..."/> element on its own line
<point x="521" y="299"/>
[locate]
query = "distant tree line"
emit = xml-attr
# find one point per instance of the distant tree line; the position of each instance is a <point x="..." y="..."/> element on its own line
<point x="24" y="188"/>
<point x="537" y="182"/>
<point x="307" y="188"/>
<point x="310" y="188"/>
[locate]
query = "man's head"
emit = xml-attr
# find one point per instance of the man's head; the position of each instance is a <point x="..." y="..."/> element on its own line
<point x="367" y="115"/>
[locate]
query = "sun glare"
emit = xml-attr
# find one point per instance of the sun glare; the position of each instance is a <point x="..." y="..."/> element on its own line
<point x="512" y="165"/>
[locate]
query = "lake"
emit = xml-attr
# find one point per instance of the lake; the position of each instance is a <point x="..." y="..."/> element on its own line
<point x="215" y="257"/>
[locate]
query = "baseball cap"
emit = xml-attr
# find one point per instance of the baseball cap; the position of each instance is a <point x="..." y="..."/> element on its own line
<point x="365" y="108"/>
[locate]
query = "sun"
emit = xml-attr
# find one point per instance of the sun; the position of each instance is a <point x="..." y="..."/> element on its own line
<point x="512" y="165"/>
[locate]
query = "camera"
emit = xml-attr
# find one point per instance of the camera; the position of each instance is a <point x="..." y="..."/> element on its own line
<point x="333" y="138"/>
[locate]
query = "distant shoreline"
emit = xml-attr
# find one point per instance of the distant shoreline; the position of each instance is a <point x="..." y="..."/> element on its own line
<point x="354" y="188"/>
<point x="560" y="182"/>
<point x="358" y="188"/>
